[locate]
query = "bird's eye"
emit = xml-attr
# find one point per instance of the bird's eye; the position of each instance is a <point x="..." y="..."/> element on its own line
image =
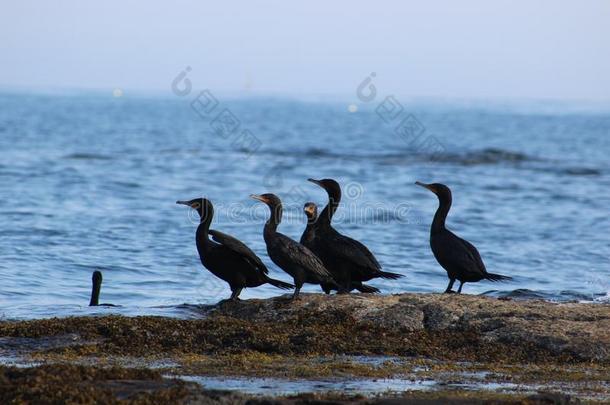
<point x="195" y="205"/>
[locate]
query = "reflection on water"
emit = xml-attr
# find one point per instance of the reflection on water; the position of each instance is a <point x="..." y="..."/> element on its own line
<point x="280" y="387"/>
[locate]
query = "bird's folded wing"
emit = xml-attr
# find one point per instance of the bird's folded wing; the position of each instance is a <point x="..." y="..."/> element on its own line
<point x="462" y="254"/>
<point x="353" y="251"/>
<point x="302" y="256"/>
<point x="240" y="248"/>
<point x="474" y="255"/>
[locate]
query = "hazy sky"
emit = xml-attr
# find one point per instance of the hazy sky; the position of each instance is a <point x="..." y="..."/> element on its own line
<point x="465" y="49"/>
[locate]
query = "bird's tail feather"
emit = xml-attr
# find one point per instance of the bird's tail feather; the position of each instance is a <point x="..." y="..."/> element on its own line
<point x="391" y="276"/>
<point x="279" y="284"/>
<point x="368" y="289"/>
<point x="497" y="277"/>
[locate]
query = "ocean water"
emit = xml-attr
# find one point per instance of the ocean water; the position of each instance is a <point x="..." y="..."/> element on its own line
<point x="89" y="181"/>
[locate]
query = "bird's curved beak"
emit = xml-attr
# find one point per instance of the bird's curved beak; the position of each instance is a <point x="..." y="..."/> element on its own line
<point x="424" y="185"/>
<point x="314" y="181"/>
<point x="181" y="202"/>
<point x="258" y="197"/>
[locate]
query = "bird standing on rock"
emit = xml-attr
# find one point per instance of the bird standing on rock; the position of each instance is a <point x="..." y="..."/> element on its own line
<point x="227" y="257"/>
<point x="348" y="260"/>
<point x="308" y="237"/>
<point x="457" y="256"/>
<point x="292" y="257"/>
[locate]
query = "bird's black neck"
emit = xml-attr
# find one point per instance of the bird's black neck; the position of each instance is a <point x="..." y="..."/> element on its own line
<point x="312" y="218"/>
<point x="438" y="223"/>
<point x="326" y="216"/>
<point x="310" y="230"/>
<point x="274" y="220"/>
<point x="205" y="217"/>
<point x="95" y="293"/>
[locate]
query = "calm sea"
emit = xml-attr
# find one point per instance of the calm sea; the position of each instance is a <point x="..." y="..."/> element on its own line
<point x="89" y="181"/>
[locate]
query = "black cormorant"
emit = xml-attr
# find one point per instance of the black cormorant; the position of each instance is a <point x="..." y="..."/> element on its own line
<point x="226" y="257"/>
<point x="311" y="212"/>
<point x="307" y="239"/>
<point x="292" y="257"/>
<point x="456" y="255"/>
<point x="96" y="280"/>
<point x="347" y="259"/>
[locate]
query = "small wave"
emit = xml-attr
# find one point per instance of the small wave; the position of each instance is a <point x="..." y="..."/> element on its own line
<point x="319" y="152"/>
<point x="190" y="311"/>
<point x="201" y="308"/>
<point x="556" y="296"/>
<point x="555" y="168"/>
<point x="47" y="232"/>
<point x="519" y="293"/>
<point x="87" y="156"/>
<point x="324" y="153"/>
<point x="400" y="214"/>
<point x="581" y="171"/>
<point x="481" y="157"/>
<point x="126" y="184"/>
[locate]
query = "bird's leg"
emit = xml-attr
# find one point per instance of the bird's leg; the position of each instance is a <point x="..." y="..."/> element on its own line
<point x="345" y="288"/>
<point x="325" y="288"/>
<point x="295" y="296"/>
<point x="460" y="288"/>
<point x="450" y="286"/>
<point x="235" y="294"/>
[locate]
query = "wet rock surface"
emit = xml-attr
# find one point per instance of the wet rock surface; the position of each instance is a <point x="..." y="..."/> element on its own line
<point x="59" y="384"/>
<point x="451" y="340"/>
<point x="56" y="384"/>
<point x="578" y="330"/>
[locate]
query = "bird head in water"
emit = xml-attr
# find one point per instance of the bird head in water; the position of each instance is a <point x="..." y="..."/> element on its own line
<point x="97" y="277"/>
<point x="441" y="190"/>
<point x="311" y="211"/>
<point x="201" y="205"/>
<point x="331" y="186"/>
<point x="270" y="199"/>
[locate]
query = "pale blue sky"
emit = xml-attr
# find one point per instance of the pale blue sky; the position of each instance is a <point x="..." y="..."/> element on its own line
<point x="457" y="49"/>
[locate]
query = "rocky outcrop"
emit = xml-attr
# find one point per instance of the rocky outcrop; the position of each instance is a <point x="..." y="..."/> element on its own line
<point x="462" y="340"/>
<point x="580" y="329"/>
<point x="434" y="326"/>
